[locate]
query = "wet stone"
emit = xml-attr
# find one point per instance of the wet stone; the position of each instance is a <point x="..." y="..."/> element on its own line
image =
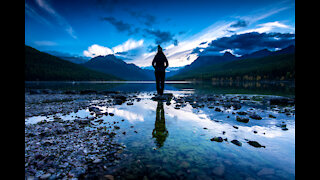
<point x="242" y="119"/>
<point x="255" y="144"/>
<point x="255" y="116"/>
<point x="236" y="142"/>
<point x="217" y="139"/>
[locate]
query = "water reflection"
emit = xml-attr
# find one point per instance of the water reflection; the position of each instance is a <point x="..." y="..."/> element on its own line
<point x="160" y="132"/>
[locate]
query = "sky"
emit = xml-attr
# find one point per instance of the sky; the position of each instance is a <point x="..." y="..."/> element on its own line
<point x="185" y="29"/>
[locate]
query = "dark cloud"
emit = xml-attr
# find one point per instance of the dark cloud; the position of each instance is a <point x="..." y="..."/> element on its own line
<point x="121" y="26"/>
<point x="152" y="48"/>
<point x="175" y="42"/>
<point x="146" y="19"/>
<point x="196" y="50"/>
<point x="239" y="24"/>
<point x="161" y="36"/>
<point x="249" y="42"/>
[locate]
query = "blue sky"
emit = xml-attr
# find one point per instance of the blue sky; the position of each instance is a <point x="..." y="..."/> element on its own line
<point x="132" y="29"/>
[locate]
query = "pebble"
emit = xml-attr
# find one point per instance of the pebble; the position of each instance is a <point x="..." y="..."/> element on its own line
<point x="45" y="176"/>
<point x="97" y="161"/>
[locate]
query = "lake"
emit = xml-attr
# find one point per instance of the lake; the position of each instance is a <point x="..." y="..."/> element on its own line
<point x="205" y="130"/>
<point x="230" y="87"/>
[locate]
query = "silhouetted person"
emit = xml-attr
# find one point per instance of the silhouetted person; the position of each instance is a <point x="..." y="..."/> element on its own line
<point x="160" y="63"/>
<point x="160" y="132"/>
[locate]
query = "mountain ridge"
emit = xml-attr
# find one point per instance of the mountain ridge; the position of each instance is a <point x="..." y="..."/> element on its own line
<point x="117" y="67"/>
<point x="41" y="66"/>
<point x="256" y="65"/>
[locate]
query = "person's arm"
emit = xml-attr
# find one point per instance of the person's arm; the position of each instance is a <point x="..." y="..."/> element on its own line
<point x="154" y="62"/>
<point x="166" y="62"/>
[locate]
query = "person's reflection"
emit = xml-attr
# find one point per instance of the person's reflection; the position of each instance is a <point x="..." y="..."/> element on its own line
<point x="160" y="132"/>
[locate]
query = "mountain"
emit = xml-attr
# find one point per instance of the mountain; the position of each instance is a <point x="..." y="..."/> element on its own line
<point x="208" y="60"/>
<point x="117" y="67"/>
<point x="40" y="66"/>
<point x="69" y="57"/>
<point x="257" y="54"/>
<point x="266" y="52"/>
<point x="260" y="65"/>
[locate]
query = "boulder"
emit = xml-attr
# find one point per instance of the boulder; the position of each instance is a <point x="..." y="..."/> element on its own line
<point x="242" y="119"/>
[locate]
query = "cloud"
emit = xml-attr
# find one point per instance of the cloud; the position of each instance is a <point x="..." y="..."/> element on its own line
<point x="45" y="43"/>
<point x="97" y="50"/>
<point x="57" y="17"/>
<point x="268" y="27"/>
<point x="249" y="42"/>
<point x="122" y="49"/>
<point x="122" y="26"/>
<point x="31" y="12"/>
<point x="119" y="25"/>
<point x="127" y="46"/>
<point x="239" y="24"/>
<point x="189" y="48"/>
<point x="161" y="37"/>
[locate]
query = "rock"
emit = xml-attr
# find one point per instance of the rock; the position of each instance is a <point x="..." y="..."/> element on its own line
<point x="45" y="176"/>
<point x="121" y="97"/>
<point x="217" y="109"/>
<point x="94" y="109"/>
<point x="265" y="171"/>
<point x="242" y="113"/>
<point x="117" y="101"/>
<point x="255" y="116"/>
<point x="130" y="103"/>
<point x="96" y="161"/>
<point x="219" y="170"/>
<point x="236" y="142"/>
<point x="255" y="144"/>
<point x="236" y="127"/>
<point x="271" y="116"/>
<point x="244" y="120"/>
<point x="185" y="164"/>
<point x="108" y="177"/>
<point x="217" y="139"/>
<point x="236" y="106"/>
<point x="88" y="92"/>
<point x="281" y="101"/>
<point x="77" y="171"/>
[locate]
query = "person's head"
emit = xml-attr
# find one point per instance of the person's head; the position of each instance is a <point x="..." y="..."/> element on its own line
<point x="159" y="48"/>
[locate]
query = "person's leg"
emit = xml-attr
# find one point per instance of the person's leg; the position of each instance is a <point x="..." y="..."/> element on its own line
<point x="162" y="81"/>
<point x="156" y="73"/>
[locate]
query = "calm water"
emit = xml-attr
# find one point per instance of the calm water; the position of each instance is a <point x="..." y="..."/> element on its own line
<point x="265" y="88"/>
<point x="163" y="142"/>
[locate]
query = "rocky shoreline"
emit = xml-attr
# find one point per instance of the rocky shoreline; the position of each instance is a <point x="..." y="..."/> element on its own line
<point x="79" y="148"/>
